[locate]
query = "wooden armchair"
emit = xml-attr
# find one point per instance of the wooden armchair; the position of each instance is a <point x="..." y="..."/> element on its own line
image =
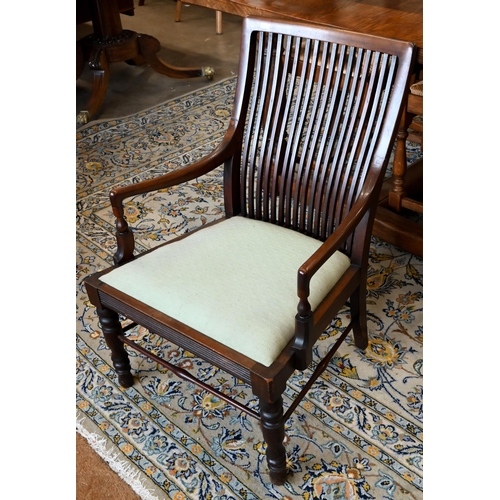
<point x="304" y="158"/>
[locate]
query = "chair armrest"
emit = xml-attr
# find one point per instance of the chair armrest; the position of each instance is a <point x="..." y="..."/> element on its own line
<point x="328" y="248"/>
<point x="124" y="236"/>
<point x="184" y="174"/>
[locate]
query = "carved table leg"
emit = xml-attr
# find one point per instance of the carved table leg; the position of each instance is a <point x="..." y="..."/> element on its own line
<point x="134" y="49"/>
<point x="80" y="59"/>
<point x="398" y="191"/>
<point x="273" y="430"/>
<point x="111" y="328"/>
<point x="149" y="46"/>
<point x="110" y="43"/>
<point x="98" y="63"/>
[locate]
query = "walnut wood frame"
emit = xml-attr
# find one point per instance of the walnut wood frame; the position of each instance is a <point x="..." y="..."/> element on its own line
<point x="333" y="200"/>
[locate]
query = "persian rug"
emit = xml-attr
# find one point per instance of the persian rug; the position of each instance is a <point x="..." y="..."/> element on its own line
<point x="357" y="435"/>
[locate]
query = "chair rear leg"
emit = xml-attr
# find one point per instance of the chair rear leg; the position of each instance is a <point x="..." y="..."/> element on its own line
<point x="111" y="328"/>
<point x="273" y="430"/>
<point x="358" y="316"/>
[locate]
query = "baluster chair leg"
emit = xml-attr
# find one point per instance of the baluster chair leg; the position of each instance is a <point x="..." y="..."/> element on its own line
<point x="111" y="328"/>
<point x="273" y="430"/>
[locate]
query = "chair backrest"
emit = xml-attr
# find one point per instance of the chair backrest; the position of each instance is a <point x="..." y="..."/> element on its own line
<point x="321" y="108"/>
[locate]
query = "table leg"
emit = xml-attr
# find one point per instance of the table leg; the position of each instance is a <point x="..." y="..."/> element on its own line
<point x="80" y="59"/>
<point x="398" y="191"/>
<point x="98" y="63"/>
<point x="148" y="48"/>
<point x="110" y="43"/>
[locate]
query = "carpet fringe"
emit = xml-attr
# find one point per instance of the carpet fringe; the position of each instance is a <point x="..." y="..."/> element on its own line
<point x="125" y="471"/>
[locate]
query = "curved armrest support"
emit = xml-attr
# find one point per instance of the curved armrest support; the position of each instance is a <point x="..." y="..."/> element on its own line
<point x="304" y="317"/>
<point x="124" y="236"/>
<point x="328" y="248"/>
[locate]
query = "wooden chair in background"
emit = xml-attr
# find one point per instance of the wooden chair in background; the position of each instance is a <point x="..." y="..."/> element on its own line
<point x="304" y="158"/>
<point x="178" y="13"/>
<point x="218" y="16"/>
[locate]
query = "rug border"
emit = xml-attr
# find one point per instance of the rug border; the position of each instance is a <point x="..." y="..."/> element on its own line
<point x="93" y="123"/>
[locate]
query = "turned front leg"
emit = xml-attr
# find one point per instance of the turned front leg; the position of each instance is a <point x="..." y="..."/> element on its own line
<point x="273" y="430"/>
<point x="111" y="328"/>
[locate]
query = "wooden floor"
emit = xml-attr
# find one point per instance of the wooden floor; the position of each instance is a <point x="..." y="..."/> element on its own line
<point x="95" y="479"/>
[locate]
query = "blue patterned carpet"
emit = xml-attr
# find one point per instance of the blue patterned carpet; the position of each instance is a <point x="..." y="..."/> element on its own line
<point x="358" y="434"/>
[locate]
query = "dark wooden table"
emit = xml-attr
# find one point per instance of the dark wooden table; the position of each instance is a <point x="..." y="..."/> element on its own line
<point x="111" y="43"/>
<point x="400" y="19"/>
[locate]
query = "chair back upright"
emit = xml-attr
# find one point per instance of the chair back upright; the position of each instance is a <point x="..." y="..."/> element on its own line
<point x="315" y="135"/>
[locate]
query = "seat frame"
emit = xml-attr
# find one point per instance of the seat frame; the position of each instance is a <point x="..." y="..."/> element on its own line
<point x="351" y="235"/>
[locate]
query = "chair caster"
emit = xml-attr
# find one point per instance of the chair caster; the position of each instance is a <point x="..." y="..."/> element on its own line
<point x="83" y="117"/>
<point x="208" y="72"/>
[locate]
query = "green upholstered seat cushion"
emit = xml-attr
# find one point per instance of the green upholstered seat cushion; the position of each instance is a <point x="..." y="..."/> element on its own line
<point x="236" y="282"/>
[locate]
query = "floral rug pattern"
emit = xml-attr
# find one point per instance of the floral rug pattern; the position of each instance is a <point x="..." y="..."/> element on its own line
<point x="358" y="433"/>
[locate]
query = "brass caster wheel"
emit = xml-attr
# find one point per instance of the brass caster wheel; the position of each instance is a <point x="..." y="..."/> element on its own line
<point x="208" y="72"/>
<point x="83" y="117"/>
